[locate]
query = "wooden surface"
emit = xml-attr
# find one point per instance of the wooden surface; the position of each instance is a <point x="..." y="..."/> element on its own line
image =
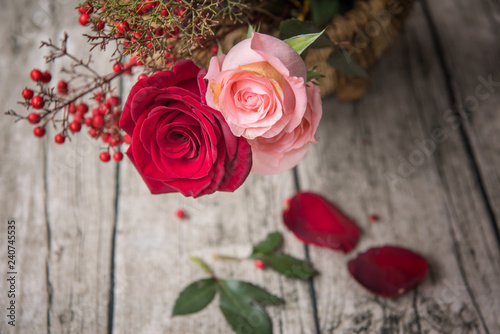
<point x="96" y="253"/>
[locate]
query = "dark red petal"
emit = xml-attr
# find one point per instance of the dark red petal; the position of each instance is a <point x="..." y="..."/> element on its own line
<point x="388" y="271"/>
<point x="314" y="220"/>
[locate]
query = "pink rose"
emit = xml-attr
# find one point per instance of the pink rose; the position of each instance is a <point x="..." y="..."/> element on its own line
<point x="179" y="144"/>
<point x="284" y="151"/>
<point x="259" y="87"/>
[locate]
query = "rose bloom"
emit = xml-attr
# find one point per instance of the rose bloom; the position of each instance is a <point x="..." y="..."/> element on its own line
<point x="179" y="144"/>
<point x="285" y="150"/>
<point x="259" y="87"/>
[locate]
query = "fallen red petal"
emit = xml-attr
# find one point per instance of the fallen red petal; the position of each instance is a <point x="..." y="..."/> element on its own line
<point x="388" y="271"/>
<point x="314" y="220"/>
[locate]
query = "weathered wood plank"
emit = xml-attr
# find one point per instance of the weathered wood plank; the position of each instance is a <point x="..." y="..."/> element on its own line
<point x="62" y="196"/>
<point x="466" y="35"/>
<point x="430" y="203"/>
<point x="21" y="175"/>
<point x="80" y="199"/>
<point x="153" y="248"/>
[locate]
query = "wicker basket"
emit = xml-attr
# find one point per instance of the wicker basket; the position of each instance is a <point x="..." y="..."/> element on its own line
<point x="370" y="27"/>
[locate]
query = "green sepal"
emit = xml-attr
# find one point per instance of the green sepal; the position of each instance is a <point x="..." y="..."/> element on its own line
<point x="301" y="42"/>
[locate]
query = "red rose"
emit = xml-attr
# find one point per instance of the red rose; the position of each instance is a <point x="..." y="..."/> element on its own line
<point x="179" y="144"/>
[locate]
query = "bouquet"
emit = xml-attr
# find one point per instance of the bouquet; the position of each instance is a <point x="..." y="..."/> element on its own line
<point x="219" y="96"/>
<point x="222" y="91"/>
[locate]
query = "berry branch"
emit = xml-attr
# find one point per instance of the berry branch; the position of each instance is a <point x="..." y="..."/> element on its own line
<point x="63" y="104"/>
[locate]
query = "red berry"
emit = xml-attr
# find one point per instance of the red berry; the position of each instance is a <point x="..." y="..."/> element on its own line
<point x="37" y="102"/>
<point x="46" y="77"/>
<point x="36" y="75"/>
<point x="98" y="97"/>
<point x="104" y="156"/>
<point x="373" y="218"/>
<point x="118" y="156"/>
<point x="38" y="131"/>
<point x="93" y="133"/>
<point x="27" y="93"/>
<point x="82" y="108"/>
<point x="123" y="27"/>
<point x="100" y="25"/>
<point x="181" y="214"/>
<point x="72" y="108"/>
<point x="259" y="264"/>
<point x="114" y="100"/>
<point x="142" y="76"/>
<point x="75" y="126"/>
<point x="214" y="49"/>
<point x="105" y="137"/>
<point x="128" y="69"/>
<point x="33" y="118"/>
<point x="59" y="138"/>
<point x="103" y="109"/>
<point x="78" y="118"/>
<point x="85" y="10"/>
<point x="98" y="122"/>
<point x="118" y="68"/>
<point x="114" y="141"/>
<point x="88" y="121"/>
<point x="62" y="87"/>
<point x="84" y="19"/>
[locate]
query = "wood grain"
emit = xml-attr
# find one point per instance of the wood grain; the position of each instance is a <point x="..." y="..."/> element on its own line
<point x="21" y="179"/>
<point x="472" y="73"/>
<point x="430" y="203"/>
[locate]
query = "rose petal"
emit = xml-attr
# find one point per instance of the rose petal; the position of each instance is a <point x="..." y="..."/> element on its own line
<point x="388" y="271"/>
<point x="314" y="220"/>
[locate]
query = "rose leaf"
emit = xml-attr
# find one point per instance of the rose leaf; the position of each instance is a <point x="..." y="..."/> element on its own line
<point x="240" y="304"/>
<point x="268" y="245"/>
<point x="195" y="297"/>
<point x="288" y="265"/>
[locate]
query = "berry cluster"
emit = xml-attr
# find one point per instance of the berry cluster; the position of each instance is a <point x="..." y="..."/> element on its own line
<point x="161" y="32"/>
<point x="102" y="121"/>
<point x="63" y="105"/>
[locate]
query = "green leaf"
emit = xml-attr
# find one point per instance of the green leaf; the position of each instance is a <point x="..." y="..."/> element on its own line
<point x="324" y="10"/>
<point x="251" y="293"/>
<point x="195" y="297"/>
<point x="272" y="241"/>
<point x="288" y="265"/>
<point x="293" y="27"/>
<point x="342" y="61"/>
<point x="239" y="301"/>
<point x="301" y="42"/>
